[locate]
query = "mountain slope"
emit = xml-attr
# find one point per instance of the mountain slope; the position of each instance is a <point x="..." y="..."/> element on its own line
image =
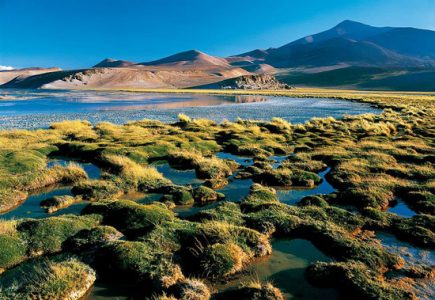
<point x="6" y="76"/>
<point x="351" y="43"/>
<point x="96" y="78"/>
<point x="347" y="29"/>
<point x="408" y="41"/>
<point x="340" y="51"/>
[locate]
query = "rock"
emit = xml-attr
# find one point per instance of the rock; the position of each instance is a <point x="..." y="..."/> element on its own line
<point x="255" y="82"/>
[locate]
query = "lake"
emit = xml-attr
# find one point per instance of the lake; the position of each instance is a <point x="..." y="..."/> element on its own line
<point x="27" y="109"/>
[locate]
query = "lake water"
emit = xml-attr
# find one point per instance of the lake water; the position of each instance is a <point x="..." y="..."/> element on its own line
<point x="38" y="108"/>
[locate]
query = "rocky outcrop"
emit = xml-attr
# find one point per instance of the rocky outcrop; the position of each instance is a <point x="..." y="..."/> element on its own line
<point x="255" y="82"/>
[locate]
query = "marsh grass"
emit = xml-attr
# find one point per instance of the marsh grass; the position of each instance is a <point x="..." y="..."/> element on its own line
<point x="373" y="160"/>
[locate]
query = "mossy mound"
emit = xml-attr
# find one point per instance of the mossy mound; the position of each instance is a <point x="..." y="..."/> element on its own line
<point x="44" y="236"/>
<point x="70" y="279"/>
<point x="222" y="260"/>
<point x="285" y="177"/>
<point x="94" y="190"/>
<point x="190" y="289"/>
<point x="204" y="194"/>
<point x="205" y="167"/>
<point x="313" y="200"/>
<point x="14" y="251"/>
<point x="91" y="238"/>
<point x="138" y="261"/>
<point x="130" y="217"/>
<point x="421" y="201"/>
<point x="228" y="212"/>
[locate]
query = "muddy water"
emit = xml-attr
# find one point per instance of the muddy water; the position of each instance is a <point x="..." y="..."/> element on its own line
<point x="285" y="269"/>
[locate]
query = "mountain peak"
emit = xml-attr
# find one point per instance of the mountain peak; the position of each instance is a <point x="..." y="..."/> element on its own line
<point x="189" y="57"/>
<point x="351" y="23"/>
<point x="113" y="63"/>
<point x="349" y="27"/>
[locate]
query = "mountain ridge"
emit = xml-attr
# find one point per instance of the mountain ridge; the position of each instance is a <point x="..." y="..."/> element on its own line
<point x="348" y="46"/>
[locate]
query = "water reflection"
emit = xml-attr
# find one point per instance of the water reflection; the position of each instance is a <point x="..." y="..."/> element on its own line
<point x="249" y="99"/>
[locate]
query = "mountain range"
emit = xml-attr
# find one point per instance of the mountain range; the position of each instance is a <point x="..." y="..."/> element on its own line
<point x="351" y="55"/>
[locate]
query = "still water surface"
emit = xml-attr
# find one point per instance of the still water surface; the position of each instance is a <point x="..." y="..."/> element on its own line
<point x="39" y="108"/>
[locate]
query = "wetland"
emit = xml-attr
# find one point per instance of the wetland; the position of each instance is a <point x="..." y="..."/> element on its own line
<point x="316" y="197"/>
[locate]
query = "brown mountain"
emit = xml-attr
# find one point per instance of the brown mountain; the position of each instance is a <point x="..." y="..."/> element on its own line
<point x="191" y="58"/>
<point x="112" y="63"/>
<point x="6" y="76"/>
<point x="354" y="53"/>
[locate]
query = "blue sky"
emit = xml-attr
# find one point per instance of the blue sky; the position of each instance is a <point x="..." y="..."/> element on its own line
<point x="79" y="33"/>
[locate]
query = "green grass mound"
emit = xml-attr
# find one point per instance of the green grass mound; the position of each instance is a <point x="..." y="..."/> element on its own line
<point x="69" y="279"/>
<point x="221" y="260"/>
<point x="43" y="236"/>
<point x="137" y="261"/>
<point x="130" y="217"/>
